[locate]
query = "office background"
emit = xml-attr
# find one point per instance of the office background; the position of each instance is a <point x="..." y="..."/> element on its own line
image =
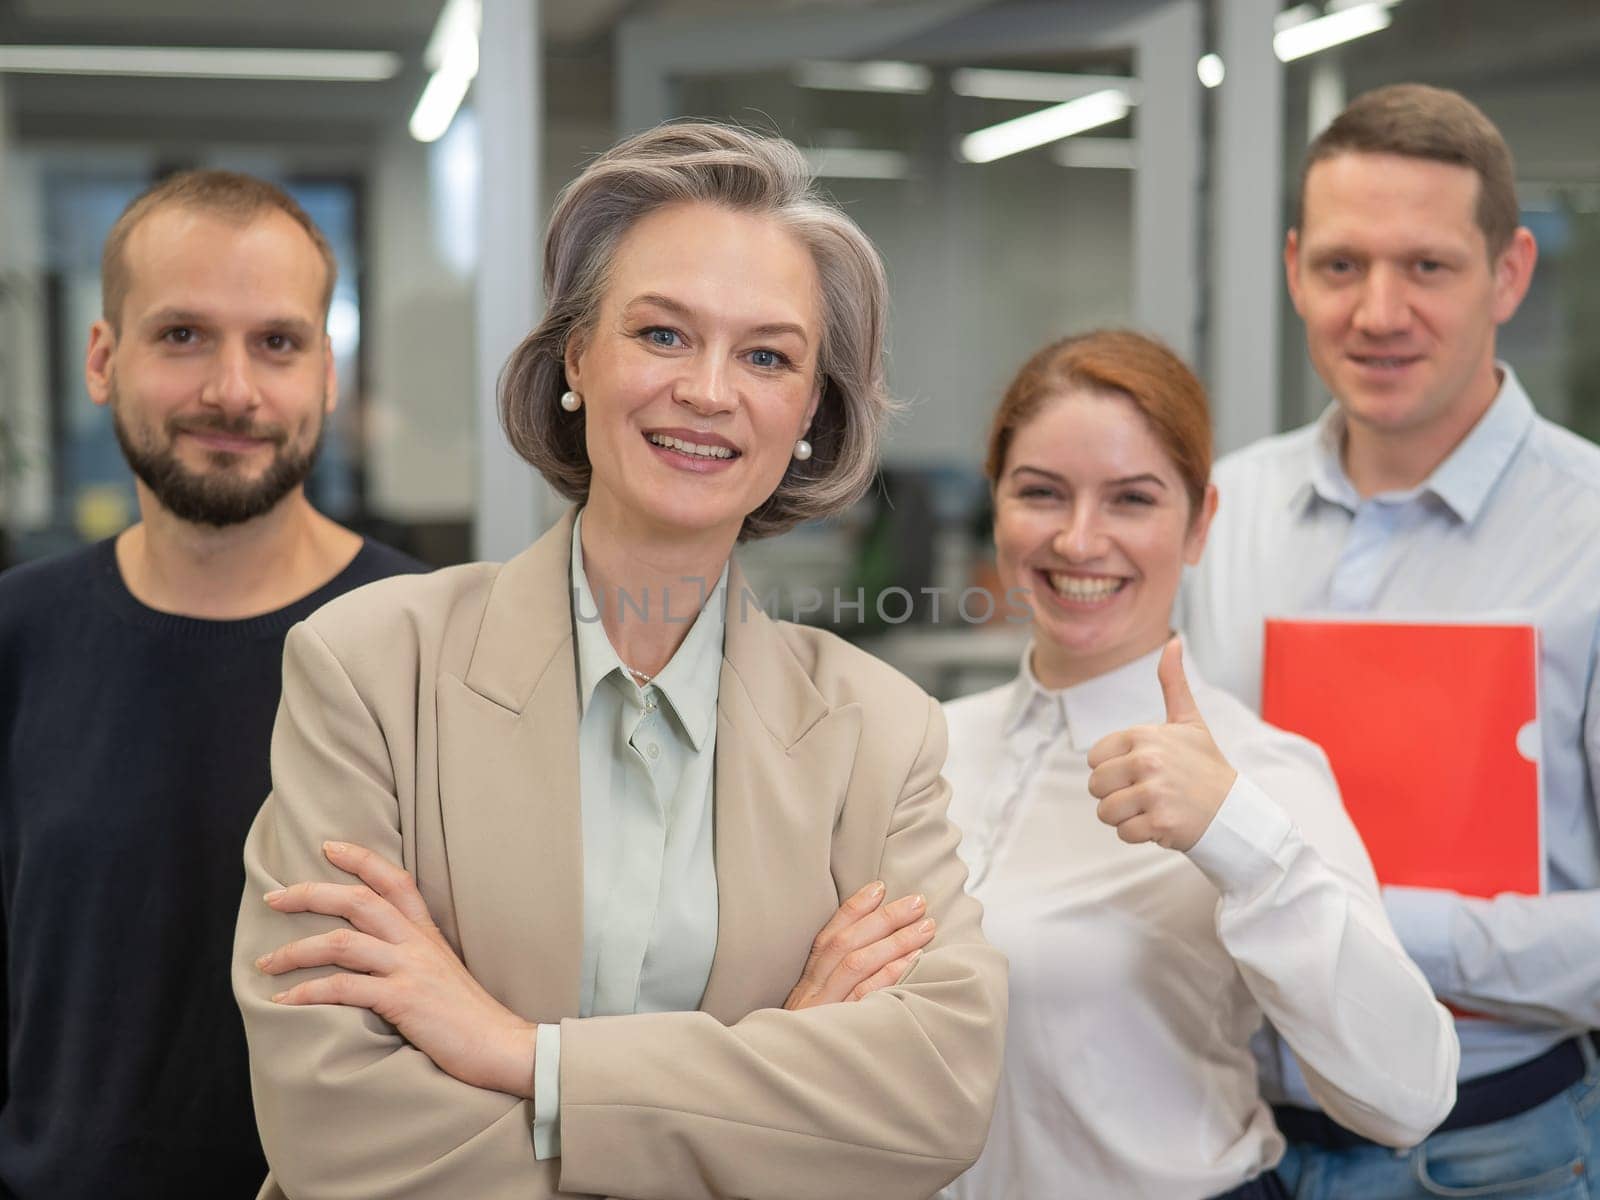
<point x="429" y="138"/>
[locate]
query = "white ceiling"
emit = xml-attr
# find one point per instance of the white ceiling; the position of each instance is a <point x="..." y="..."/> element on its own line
<point x="576" y="37"/>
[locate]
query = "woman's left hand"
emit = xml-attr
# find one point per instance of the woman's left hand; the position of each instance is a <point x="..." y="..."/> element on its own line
<point x="405" y="972"/>
<point x="1162" y="783"/>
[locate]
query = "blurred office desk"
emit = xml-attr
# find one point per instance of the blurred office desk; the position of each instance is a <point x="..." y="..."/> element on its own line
<point x="953" y="660"/>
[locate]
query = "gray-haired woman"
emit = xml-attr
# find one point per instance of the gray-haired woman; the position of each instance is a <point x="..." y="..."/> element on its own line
<point x="593" y="805"/>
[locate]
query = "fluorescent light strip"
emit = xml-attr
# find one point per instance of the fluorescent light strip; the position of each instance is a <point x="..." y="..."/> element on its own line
<point x="988" y="84"/>
<point x="1312" y="37"/>
<point x="848" y="162"/>
<point x="864" y="77"/>
<point x="203" y="62"/>
<point x="1046" y="125"/>
<point x="452" y="55"/>
<point x="1110" y="153"/>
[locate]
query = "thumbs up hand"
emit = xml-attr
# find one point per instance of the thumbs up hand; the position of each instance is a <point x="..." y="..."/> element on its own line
<point x="1162" y="783"/>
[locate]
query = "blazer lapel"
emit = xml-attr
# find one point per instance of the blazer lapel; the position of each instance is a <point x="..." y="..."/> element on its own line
<point x="509" y="788"/>
<point x="783" y="762"/>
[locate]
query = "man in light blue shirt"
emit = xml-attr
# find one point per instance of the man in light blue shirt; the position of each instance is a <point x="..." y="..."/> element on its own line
<point x="1431" y="487"/>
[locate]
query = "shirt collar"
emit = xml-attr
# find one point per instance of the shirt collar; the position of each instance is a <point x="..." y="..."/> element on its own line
<point x="1327" y="480"/>
<point x="1462" y="481"/>
<point x="690" y="679"/>
<point x="1129" y="695"/>
<point x="1030" y="702"/>
<point x="1465" y="478"/>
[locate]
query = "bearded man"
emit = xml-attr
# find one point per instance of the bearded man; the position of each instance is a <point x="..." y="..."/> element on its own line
<point x="139" y="679"/>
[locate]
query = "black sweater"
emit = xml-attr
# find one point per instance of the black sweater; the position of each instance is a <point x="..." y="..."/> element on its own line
<point x="133" y="757"/>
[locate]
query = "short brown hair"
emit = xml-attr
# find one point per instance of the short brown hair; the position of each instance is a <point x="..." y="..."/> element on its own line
<point x="701" y="162"/>
<point x="1417" y="121"/>
<point x="226" y="194"/>
<point x="1119" y="362"/>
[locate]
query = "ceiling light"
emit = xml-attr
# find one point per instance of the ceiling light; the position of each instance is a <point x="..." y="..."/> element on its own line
<point x="864" y="76"/>
<point x="203" y="62"/>
<point x="1111" y="153"/>
<point x="1321" y="33"/>
<point x="1211" y="70"/>
<point x="452" y="56"/>
<point x="1032" y="85"/>
<point x="1046" y="125"/>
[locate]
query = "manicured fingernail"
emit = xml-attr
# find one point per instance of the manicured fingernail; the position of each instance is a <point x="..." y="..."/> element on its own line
<point x="278" y="998"/>
<point x="918" y="902"/>
<point x="927" y="926"/>
<point x="263" y="961"/>
<point x="875" y="892"/>
<point x="274" y="894"/>
<point x="334" y="847"/>
<point x="911" y="960"/>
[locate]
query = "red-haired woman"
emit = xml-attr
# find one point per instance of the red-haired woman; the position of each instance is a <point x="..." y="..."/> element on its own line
<point x="1162" y="868"/>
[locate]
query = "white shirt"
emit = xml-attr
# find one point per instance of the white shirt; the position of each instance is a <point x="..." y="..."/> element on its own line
<point x="1508" y="524"/>
<point x="646" y="760"/>
<point x="1138" y="974"/>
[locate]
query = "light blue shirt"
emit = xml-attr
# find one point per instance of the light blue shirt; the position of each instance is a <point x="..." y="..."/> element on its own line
<point x="1508" y="525"/>
<point x="645" y="758"/>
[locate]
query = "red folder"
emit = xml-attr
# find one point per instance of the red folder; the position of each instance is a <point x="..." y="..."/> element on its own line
<point x="1421" y="722"/>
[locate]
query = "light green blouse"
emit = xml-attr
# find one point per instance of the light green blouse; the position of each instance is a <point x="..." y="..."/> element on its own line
<point x="645" y="757"/>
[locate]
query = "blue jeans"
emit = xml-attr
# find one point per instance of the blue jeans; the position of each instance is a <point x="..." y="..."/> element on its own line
<point x="1547" y="1153"/>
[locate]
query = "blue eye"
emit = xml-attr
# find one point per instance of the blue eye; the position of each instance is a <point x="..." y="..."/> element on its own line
<point x="658" y="335"/>
<point x="767" y="358"/>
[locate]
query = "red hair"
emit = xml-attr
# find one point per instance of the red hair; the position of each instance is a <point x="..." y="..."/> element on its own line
<point x="1121" y="362"/>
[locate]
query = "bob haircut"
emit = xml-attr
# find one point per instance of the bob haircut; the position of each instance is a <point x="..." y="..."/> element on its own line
<point x="700" y="162"/>
<point x="1117" y="362"/>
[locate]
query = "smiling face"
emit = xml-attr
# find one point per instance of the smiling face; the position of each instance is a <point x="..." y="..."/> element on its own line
<point x="701" y="371"/>
<point x="1391" y="273"/>
<point x="220" y="376"/>
<point x="1093" y="520"/>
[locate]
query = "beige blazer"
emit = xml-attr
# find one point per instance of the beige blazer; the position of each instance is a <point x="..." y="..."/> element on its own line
<point x="434" y="719"/>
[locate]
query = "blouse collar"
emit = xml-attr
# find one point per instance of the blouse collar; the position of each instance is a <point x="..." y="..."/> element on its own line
<point x="1086" y="712"/>
<point x="688" y="682"/>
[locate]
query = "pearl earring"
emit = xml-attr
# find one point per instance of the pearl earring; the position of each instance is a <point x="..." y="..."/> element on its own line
<point x="571" y="401"/>
<point x="802" y="450"/>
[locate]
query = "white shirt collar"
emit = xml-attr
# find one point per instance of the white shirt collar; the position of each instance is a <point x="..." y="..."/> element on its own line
<point x="1086" y="712"/>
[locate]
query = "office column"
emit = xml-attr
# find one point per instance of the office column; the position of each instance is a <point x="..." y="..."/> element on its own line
<point x="1166" y="182"/>
<point x="1247" y="225"/>
<point x="512" y="504"/>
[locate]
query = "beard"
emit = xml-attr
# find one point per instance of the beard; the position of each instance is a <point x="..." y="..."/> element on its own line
<point x="222" y="495"/>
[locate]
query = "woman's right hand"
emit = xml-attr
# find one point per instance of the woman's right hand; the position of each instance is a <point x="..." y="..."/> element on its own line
<point x="865" y="946"/>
